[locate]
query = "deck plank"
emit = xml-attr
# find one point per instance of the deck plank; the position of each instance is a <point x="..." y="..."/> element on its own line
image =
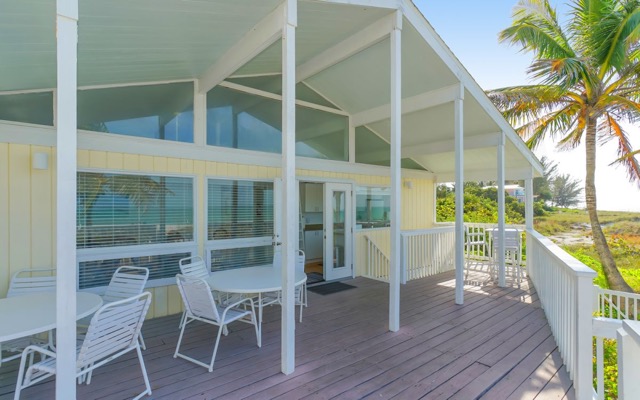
<point x="498" y="344"/>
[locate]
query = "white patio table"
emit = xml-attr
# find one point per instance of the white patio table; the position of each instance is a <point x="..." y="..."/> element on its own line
<point x="31" y="314"/>
<point x="252" y="280"/>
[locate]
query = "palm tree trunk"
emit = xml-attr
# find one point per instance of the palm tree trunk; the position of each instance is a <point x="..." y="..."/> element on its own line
<point x="616" y="282"/>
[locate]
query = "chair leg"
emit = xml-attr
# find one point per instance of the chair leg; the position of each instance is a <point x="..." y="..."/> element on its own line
<point x="175" y="354"/>
<point x="141" y="341"/>
<point x="215" y="348"/>
<point x="184" y="315"/>
<point x="144" y="375"/>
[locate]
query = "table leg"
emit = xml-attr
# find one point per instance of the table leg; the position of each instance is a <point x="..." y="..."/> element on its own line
<point x="260" y="315"/>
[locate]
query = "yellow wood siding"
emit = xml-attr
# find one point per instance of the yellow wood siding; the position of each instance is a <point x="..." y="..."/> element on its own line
<point x="27" y="204"/>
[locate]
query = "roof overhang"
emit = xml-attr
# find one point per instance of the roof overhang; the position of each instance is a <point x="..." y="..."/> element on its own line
<point x="342" y="52"/>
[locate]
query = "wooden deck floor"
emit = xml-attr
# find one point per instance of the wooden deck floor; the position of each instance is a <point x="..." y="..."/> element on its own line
<point x="497" y="346"/>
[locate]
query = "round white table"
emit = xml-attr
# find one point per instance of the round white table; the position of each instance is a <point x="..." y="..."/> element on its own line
<point x="252" y="280"/>
<point x="31" y="314"/>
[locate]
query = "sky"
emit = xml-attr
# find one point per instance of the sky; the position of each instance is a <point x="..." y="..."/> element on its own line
<point x="470" y="28"/>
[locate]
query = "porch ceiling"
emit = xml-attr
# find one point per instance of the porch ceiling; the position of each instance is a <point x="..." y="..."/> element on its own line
<point x="123" y="42"/>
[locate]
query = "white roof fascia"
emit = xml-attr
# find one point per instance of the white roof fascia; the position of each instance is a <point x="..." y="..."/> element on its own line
<point x="354" y="44"/>
<point x="262" y="35"/>
<point x="423" y="27"/>
<point x="411" y="104"/>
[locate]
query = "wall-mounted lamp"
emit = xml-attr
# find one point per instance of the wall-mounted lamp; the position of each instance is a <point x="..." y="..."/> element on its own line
<point x="408" y="184"/>
<point x="40" y="161"/>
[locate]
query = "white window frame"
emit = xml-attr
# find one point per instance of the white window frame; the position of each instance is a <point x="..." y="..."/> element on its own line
<point x="224" y="244"/>
<point x="117" y="252"/>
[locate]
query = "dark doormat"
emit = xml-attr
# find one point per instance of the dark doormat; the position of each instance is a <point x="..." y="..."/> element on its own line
<point x="329" y="288"/>
<point x="314" y="277"/>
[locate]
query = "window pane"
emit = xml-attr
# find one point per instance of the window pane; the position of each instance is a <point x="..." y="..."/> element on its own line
<point x="157" y="111"/>
<point x="239" y="209"/>
<point x="241" y="257"/>
<point x="372" y="149"/>
<point x="244" y="121"/>
<point x="321" y="135"/>
<point x="98" y="273"/>
<point x="32" y="108"/>
<point x="373" y="206"/>
<point x="129" y="210"/>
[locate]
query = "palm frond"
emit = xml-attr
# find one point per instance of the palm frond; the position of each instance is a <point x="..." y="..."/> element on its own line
<point x="626" y="153"/>
<point x="549" y="125"/>
<point x="564" y="72"/>
<point x="535" y="27"/>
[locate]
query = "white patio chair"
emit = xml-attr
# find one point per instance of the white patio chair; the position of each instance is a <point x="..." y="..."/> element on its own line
<point x="474" y="240"/>
<point x="126" y="282"/>
<point x="113" y="331"/>
<point x="512" y="250"/>
<point x="301" y="290"/>
<point x="26" y="282"/>
<point x="200" y="306"/>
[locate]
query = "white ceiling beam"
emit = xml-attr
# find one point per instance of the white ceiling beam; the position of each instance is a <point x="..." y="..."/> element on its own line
<point x="488" y="174"/>
<point x="262" y="35"/>
<point x="419" y="102"/>
<point x="443" y="146"/>
<point x="367" y="37"/>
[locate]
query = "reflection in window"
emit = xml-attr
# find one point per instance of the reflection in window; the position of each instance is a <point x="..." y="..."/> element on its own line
<point x="156" y="111"/>
<point x="239" y="209"/>
<point x="373" y="207"/>
<point x="32" y="108"/>
<point x="243" y="121"/>
<point x="127" y="210"/>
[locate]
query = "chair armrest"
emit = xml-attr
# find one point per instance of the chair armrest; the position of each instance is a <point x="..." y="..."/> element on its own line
<point x="237" y="303"/>
<point x="37" y="349"/>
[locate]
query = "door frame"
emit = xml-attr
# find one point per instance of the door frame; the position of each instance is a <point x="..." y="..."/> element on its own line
<point x="324" y="181"/>
<point x="328" y="255"/>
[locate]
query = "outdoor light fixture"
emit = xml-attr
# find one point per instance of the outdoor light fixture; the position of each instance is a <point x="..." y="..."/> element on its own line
<point x="40" y="161"/>
<point x="408" y="184"/>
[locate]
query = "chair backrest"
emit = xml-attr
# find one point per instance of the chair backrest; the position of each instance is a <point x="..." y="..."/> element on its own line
<point x="30" y="281"/>
<point x="474" y="235"/>
<point x="126" y="282"/>
<point x="194" y="267"/>
<point x="512" y="238"/>
<point x="197" y="298"/>
<point x="113" y="328"/>
<point x="300" y="260"/>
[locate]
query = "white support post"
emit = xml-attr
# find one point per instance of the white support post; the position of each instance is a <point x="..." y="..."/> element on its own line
<point x="583" y="372"/>
<point x="396" y="178"/>
<point x="528" y="202"/>
<point x="352" y="142"/>
<point x="628" y="359"/>
<point x="289" y="193"/>
<point x="199" y="116"/>
<point x="66" y="169"/>
<point x="459" y="193"/>
<point x="501" y="215"/>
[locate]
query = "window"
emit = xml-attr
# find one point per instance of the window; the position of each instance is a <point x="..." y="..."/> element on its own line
<point x="137" y="220"/>
<point x="32" y="108"/>
<point x="372" y="149"/>
<point x="155" y="111"/>
<point x="245" y="121"/>
<point x="373" y="206"/>
<point x="240" y="223"/>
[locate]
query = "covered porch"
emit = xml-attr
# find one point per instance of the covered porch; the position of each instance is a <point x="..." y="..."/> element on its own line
<point x="497" y="346"/>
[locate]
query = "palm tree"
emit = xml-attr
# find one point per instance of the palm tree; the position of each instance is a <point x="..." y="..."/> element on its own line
<point x="587" y="75"/>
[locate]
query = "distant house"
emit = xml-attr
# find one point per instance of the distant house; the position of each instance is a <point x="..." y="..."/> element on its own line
<point x="516" y="191"/>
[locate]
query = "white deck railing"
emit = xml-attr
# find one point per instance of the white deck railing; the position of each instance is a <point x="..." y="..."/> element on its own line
<point x="377" y="263"/>
<point x="565" y="288"/>
<point x="612" y="307"/>
<point x="427" y="252"/>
